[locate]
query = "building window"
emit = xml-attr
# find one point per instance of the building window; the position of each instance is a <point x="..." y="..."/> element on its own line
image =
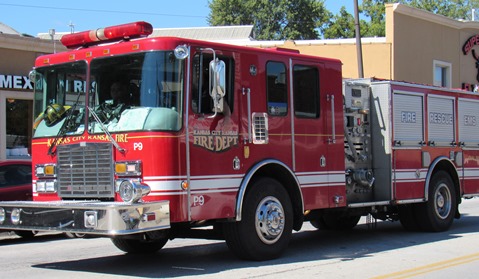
<point x="18" y="115"/>
<point x="442" y="73"/>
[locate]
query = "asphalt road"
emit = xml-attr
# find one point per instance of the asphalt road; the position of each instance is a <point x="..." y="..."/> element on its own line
<point x="381" y="251"/>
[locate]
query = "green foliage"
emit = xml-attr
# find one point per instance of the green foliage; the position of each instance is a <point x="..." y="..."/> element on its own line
<point x="342" y="26"/>
<point x="230" y="12"/>
<point x="374" y="10"/>
<point x="272" y="19"/>
<point x="456" y="9"/>
<point x="308" y="19"/>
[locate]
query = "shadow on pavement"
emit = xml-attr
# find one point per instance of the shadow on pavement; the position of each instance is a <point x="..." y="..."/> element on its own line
<point x="307" y="245"/>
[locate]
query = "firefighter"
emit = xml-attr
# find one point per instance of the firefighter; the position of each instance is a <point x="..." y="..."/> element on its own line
<point x="119" y="93"/>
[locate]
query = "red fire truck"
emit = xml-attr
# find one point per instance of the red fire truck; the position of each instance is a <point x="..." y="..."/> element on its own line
<point x="238" y="143"/>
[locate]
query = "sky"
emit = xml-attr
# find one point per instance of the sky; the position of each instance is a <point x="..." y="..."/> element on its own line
<point x="34" y="17"/>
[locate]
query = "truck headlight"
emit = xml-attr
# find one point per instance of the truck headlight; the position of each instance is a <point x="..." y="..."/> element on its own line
<point x="2" y="215"/>
<point x="46" y="186"/>
<point x="128" y="168"/>
<point x="132" y="191"/>
<point x="46" y="170"/>
<point x="15" y="216"/>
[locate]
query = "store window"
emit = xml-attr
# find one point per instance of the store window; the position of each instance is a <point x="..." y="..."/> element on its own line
<point x="442" y="73"/>
<point x="18" y="115"/>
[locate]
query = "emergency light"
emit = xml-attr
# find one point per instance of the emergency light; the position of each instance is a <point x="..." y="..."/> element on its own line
<point x="107" y="34"/>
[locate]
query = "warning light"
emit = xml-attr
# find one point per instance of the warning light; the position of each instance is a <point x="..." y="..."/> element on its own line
<point x="107" y="34"/>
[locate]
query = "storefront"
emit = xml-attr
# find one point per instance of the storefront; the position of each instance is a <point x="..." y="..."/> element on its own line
<point x="17" y="57"/>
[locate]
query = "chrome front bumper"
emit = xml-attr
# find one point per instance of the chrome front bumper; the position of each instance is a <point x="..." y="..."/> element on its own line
<point x="103" y="218"/>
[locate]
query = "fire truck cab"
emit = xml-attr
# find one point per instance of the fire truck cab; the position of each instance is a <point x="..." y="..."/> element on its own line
<point x="249" y="143"/>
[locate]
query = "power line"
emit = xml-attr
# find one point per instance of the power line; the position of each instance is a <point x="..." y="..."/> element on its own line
<point x="97" y="11"/>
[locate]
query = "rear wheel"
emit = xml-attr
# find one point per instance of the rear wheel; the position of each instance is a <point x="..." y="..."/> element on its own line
<point x="336" y="221"/>
<point x="267" y="222"/>
<point x="408" y="217"/>
<point x="437" y="214"/>
<point x="139" y="246"/>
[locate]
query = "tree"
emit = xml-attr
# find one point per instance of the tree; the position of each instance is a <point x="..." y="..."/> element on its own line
<point x="272" y="19"/>
<point x="230" y="12"/>
<point x="341" y="26"/>
<point x="456" y="9"/>
<point x="374" y="10"/>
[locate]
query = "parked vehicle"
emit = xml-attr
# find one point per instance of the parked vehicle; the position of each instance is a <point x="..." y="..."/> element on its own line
<point x="15" y="180"/>
<point x="16" y="184"/>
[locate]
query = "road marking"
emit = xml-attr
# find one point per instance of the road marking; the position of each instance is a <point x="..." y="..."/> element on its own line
<point x="430" y="267"/>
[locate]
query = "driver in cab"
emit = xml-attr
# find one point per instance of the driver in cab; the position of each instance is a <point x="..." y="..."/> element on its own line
<point x="119" y="94"/>
<point x="120" y="100"/>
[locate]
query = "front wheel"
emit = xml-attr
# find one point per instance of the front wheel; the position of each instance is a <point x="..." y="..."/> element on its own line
<point x="438" y="212"/>
<point x="26" y="234"/>
<point x="267" y="222"/>
<point x="139" y="246"/>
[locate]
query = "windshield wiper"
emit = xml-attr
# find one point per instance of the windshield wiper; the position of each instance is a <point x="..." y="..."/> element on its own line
<point x="64" y="128"/>
<point x="105" y="130"/>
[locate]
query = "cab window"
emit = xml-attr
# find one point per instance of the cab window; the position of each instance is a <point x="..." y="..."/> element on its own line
<point x="276" y="89"/>
<point x="201" y="101"/>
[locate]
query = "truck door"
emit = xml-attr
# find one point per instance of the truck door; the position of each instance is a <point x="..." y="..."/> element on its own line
<point x="318" y="151"/>
<point x="213" y="137"/>
<point x="468" y="114"/>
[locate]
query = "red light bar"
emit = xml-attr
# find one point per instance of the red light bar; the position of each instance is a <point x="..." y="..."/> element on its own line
<point x="107" y="34"/>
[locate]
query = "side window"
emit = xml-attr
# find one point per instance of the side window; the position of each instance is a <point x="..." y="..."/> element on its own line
<point x="276" y="89"/>
<point x="15" y="175"/>
<point x="306" y="91"/>
<point x="201" y="101"/>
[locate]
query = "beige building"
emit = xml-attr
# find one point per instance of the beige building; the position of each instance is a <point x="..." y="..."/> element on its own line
<point x="17" y="57"/>
<point x="419" y="47"/>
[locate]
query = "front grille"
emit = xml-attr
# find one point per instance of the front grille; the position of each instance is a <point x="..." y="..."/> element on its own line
<point x="85" y="171"/>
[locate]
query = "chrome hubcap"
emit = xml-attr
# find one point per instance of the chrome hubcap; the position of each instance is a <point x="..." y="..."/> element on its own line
<point x="269" y="220"/>
<point x="443" y="201"/>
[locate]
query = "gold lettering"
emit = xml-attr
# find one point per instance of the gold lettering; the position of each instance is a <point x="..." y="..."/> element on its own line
<point x="121" y="137"/>
<point x="216" y="141"/>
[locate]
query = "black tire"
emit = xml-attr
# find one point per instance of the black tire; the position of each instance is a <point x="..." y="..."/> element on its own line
<point x="335" y="221"/>
<point x="26" y="234"/>
<point x="266" y="225"/>
<point x="317" y="223"/>
<point x="437" y="214"/>
<point x="74" y="235"/>
<point x="408" y="218"/>
<point x="139" y="246"/>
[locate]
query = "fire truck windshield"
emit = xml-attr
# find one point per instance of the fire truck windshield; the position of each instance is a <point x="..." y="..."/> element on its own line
<point x="133" y="92"/>
<point x="60" y="99"/>
<point x="141" y="91"/>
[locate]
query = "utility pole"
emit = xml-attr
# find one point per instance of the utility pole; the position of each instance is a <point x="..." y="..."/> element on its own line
<point x="72" y="27"/>
<point x="359" y="48"/>
<point x="52" y="35"/>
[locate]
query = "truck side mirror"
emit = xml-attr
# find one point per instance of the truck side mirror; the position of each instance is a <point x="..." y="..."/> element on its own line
<point x="217" y="84"/>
